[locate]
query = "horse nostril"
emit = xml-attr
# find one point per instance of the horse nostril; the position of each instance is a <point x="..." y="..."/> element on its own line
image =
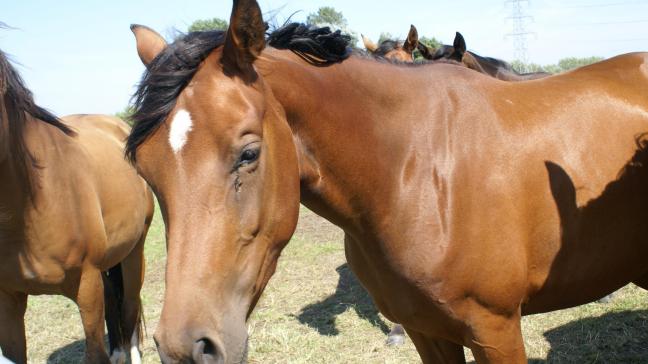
<point x="206" y="352"/>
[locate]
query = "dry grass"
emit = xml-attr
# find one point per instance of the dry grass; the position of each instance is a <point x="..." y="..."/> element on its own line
<point x="314" y="311"/>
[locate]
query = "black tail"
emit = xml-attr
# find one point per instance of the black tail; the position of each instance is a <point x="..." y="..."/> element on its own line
<point x="114" y="301"/>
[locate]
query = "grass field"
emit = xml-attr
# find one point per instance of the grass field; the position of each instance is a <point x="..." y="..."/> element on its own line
<point x="314" y="311"/>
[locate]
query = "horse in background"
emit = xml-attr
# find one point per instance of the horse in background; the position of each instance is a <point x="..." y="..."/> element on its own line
<point x="73" y="219"/>
<point x="394" y="50"/>
<point x="493" y="67"/>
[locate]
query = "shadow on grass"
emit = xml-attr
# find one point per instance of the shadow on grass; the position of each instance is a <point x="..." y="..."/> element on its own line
<point x="71" y="353"/>
<point x="618" y="337"/>
<point x="349" y="294"/>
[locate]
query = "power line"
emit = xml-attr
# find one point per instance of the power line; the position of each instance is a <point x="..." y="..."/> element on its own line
<point x="603" y="23"/>
<point x="600" y="5"/>
<point x="608" y="40"/>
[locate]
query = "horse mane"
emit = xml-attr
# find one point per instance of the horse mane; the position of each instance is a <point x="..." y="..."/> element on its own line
<point x="16" y="103"/>
<point x="172" y="70"/>
<point x="361" y="53"/>
<point x="317" y="46"/>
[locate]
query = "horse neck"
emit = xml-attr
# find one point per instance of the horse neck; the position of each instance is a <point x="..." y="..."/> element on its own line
<point x="480" y="64"/>
<point x="494" y="68"/>
<point x="342" y="121"/>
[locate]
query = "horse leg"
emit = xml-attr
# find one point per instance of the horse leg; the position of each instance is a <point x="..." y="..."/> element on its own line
<point x="90" y="299"/>
<point x="132" y="315"/>
<point x="12" y="326"/>
<point x="497" y="340"/>
<point x="396" y="336"/>
<point x="436" y="351"/>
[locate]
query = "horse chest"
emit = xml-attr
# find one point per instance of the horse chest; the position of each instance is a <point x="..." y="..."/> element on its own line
<point x="400" y="291"/>
<point x="21" y="273"/>
<point x="39" y="266"/>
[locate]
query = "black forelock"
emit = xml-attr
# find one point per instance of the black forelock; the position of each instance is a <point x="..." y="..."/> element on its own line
<point x="163" y="81"/>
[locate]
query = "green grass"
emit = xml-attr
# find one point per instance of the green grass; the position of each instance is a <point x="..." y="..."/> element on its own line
<point x="314" y="311"/>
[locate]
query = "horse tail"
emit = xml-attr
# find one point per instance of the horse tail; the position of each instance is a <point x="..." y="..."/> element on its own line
<point x="114" y="302"/>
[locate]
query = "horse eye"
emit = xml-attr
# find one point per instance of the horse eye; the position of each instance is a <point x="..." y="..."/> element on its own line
<point x="248" y="156"/>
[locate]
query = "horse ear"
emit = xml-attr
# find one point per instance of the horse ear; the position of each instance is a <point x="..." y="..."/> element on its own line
<point x="459" y="43"/>
<point x="412" y="40"/>
<point x="149" y="43"/>
<point x="369" y="45"/>
<point x="245" y="40"/>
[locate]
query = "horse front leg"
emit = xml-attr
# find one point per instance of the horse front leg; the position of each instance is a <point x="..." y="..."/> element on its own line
<point x="133" y="275"/>
<point x="497" y="339"/>
<point x="90" y="300"/>
<point x="12" y="326"/>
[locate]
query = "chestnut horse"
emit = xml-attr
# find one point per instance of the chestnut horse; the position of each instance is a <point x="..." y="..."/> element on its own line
<point x="71" y="207"/>
<point x="491" y="66"/>
<point x="455" y="190"/>
<point x="393" y="49"/>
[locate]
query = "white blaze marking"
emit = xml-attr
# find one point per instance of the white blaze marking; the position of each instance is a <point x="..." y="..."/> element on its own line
<point x="180" y="127"/>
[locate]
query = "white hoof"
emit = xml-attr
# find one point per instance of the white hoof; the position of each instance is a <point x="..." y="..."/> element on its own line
<point x="118" y="357"/>
<point x="395" y="340"/>
<point x="135" y="355"/>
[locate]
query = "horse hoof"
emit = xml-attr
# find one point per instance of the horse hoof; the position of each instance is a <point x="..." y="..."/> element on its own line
<point x="395" y="340"/>
<point x="118" y="357"/>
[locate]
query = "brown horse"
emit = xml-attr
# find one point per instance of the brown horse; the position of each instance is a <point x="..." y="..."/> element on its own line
<point x="491" y="66"/>
<point x="393" y="49"/>
<point x="71" y="207"/>
<point x="455" y="220"/>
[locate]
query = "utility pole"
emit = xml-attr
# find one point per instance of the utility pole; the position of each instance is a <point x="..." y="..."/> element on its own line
<point x="520" y="33"/>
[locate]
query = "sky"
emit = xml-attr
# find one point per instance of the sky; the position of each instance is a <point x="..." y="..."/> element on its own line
<point x="80" y="56"/>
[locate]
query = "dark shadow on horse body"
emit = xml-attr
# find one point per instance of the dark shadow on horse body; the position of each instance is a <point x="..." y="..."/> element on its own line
<point x="349" y="294"/>
<point x="602" y="240"/>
